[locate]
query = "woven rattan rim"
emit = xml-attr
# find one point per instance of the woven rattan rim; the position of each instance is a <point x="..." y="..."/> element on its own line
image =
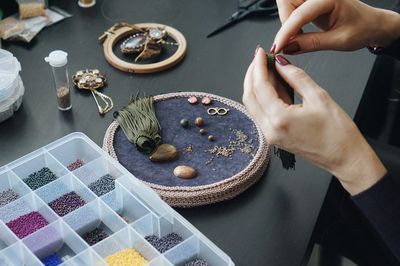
<point x="185" y="196"/>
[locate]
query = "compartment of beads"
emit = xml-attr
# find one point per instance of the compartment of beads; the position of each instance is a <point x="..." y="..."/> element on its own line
<point x="194" y="252"/>
<point x="126" y="246"/>
<point x="55" y="243"/>
<point x="162" y="233"/>
<point x="99" y="176"/>
<point x="94" y="222"/>
<point x="11" y="188"/>
<point x="65" y="195"/>
<point x="74" y="154"/>
<point x="39" y="171"/>
<point x="26" y="215"/>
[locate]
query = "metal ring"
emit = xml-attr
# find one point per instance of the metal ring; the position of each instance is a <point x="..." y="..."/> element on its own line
<point x="212" y="111"/>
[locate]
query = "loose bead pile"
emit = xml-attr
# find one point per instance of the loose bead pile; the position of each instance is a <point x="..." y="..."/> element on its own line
<point x="165" y="243"/>
<point x="95" y="236"/>
<point x="75" y="165"/>
<point x="126" y="257"/>
<point x="40" y="178"/>
<point x="103" y="185"/>
<point x="67" y="203"/>
<point x="7" y="196"/>
<point x="197" y="262"/>
<point x="27" y="224"/>
<point x="52" y="260"/>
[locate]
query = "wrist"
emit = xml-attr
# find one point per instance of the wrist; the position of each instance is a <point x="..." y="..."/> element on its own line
<point x="360" y="170"/>
<point x="387" y="28"/>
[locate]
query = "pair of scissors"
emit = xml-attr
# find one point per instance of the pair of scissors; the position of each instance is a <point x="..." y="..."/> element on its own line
<point x="246" y="8"/>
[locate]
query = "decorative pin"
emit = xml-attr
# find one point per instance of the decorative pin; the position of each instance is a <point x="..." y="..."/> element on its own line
<point x="92" y="79"/>
<point x="217" y="111"/>
<point x="148" y="43"/>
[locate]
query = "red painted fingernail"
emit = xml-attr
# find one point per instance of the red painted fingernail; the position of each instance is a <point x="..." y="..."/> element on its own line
<point x="257" y="47"/>
<point x="272" y="50"/>
<point x="291" y="48"/>
<point x="281" y="60"/>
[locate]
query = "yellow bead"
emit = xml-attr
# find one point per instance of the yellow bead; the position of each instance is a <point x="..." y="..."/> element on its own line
<point x="126" y="257"/>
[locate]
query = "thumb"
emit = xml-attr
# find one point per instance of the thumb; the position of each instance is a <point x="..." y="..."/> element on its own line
<point x="313" y="41"/>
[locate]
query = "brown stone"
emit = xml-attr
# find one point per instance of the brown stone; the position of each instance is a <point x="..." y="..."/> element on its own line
<point x="185" y="172"/>
<point x="164" y="153"/>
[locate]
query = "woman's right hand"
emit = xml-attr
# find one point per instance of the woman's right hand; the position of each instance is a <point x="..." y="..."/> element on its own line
<point x="345" y="25"/>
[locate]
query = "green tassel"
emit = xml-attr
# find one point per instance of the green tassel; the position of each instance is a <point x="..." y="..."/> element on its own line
<point x="288" y="159"/>
<point x="139" y="122"/>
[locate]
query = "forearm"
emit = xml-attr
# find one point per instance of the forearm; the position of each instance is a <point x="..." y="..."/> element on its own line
<point x="381" y="205"/>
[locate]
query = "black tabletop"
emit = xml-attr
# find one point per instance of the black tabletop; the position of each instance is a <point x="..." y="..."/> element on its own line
<point x="271" y="223"/>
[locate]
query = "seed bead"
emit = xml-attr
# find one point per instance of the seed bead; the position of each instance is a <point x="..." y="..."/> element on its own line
<point x="199" y="121"/>
<point x="126" y="257"/>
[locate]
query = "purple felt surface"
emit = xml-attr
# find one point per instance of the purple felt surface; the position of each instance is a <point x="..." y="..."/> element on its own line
<point x="169" y="113"/>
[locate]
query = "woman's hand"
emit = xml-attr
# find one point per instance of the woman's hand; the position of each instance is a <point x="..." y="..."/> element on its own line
<point x="345" y="25"/>
<point x="317" y="129"/>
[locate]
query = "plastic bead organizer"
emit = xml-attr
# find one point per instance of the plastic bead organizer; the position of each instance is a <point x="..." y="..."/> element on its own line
<point x="32" y="233"/>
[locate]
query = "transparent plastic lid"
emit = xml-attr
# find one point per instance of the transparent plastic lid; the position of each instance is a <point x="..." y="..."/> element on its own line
<point x="57" y="58"/>
<point x="9" y="71"/>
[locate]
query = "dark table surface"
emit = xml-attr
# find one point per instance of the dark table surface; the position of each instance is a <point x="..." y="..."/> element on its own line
<point x="269" y="224"/>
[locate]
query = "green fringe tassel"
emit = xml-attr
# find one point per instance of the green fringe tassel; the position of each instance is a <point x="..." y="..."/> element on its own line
<point x="288" y="159"/>
<point x="139" y="122"/>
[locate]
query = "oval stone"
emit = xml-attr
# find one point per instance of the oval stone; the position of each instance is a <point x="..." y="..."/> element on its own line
<point x="164" y="153"/>
<point x="185" y="172"/>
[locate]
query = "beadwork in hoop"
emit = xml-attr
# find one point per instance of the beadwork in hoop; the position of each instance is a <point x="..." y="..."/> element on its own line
<point x="121" y="30"/>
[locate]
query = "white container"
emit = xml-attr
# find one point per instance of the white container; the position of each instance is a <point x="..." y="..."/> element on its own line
<point x="127" y="214"/>
<point x="11" y="87"/>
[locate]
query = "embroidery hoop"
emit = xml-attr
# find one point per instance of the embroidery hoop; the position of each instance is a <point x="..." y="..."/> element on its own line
<point x="112" y="36"/>
<point x="192" y="196"/>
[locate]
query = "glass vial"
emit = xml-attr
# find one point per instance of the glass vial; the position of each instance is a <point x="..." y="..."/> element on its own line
<point x="58" y="62"/>
<point x="86" y="3"/>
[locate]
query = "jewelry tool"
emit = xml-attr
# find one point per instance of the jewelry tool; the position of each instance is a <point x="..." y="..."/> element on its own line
<point x="247" y="8"/>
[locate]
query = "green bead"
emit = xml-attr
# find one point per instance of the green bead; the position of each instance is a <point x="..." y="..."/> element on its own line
<point x="184" y="123"/>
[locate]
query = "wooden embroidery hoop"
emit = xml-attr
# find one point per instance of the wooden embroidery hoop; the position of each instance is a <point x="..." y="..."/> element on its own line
<point x="113" y="35"/>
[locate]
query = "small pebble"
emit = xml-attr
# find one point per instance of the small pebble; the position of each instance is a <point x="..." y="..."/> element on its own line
<point x="211" y="138"/>
<point x="27" y="224"/>
<point x="40" y="178"/>
<point x="202" y="131"/>
<point x="52" y="260"/>
<point x="103" y="185"/>
<point x="75" y="165"/>
<point x="197" y="262"/>
<point x="206" y="101"/>
<point x="192" y="100"/>
<point x="185" y="172"/>
<point x="184" y="123"/>
<point x="95" y="236"/>
<point x="67" y="203"/>
<point x="199" y="121"/>
<point x="7" y="196"/>
<point x="165" y="243"/>
<point x="164" y="153"/>
<point x="126" y="257"/>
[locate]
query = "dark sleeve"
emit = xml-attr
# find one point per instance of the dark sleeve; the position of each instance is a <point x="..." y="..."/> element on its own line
<point x="381" y="205"/>
<point x="393" y="49"/>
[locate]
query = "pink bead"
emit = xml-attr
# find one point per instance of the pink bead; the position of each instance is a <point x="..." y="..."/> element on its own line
<point x="192" y="100"/>
<point x="206" y="101"/>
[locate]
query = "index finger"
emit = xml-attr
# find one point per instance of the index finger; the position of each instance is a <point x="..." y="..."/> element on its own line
<point x="304" y="14"/>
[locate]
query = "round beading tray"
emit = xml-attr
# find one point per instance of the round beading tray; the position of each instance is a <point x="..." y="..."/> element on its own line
<point x="226" y="167"/>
